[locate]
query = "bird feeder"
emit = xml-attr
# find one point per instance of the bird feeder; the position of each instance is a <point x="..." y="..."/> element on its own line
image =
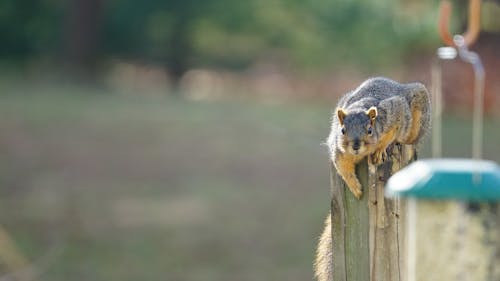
<point x="453" y="230"/>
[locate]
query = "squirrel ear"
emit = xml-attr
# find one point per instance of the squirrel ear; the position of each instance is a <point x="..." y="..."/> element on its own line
<point x="341" y="114"/>
<point x="372" y="113"/>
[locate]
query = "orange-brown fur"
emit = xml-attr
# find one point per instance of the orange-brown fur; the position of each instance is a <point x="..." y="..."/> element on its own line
<point x="346" y="165"/>
<point x="369" y="119"/>
<point x="380" y="154"/>
<point x="323" y="264"/>
<point x="414" y="128"/>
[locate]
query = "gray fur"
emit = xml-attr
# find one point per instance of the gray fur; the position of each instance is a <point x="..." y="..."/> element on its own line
<point x="393" y="101"/>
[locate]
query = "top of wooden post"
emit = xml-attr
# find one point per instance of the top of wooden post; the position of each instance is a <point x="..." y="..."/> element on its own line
<point x="368" y="235"/>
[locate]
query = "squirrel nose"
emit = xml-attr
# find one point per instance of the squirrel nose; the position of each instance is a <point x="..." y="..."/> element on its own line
<point x="356" y="145"/>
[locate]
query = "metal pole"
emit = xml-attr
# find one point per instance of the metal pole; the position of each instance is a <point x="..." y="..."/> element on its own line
<point x="477" y="129"/>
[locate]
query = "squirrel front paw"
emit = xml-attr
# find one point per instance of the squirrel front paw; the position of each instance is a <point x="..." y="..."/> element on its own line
<point x="355" y="188"/>
<point x="379" y="157"/>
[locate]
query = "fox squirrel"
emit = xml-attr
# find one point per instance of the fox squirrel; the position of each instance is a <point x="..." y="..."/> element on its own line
<point x="367" y="120"/>
<point x="370" y="118"/>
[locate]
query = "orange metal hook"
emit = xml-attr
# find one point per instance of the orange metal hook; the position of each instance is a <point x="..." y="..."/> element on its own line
<point x="473" y="25"/>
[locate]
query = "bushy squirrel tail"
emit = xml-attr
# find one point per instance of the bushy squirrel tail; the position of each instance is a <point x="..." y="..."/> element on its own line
<point x="323" y="264"/>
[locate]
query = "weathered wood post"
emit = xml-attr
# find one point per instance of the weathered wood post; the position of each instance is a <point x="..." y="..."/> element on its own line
<point x="368" y="239"/>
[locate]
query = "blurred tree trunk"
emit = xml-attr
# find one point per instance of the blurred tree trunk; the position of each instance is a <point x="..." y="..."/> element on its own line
<point x="82" y="24"/>
<point x="180" y="50"/>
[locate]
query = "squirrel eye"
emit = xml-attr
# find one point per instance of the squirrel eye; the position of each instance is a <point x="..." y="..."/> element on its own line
<point x="343" y="131"/>
<point x="370" y="130"/>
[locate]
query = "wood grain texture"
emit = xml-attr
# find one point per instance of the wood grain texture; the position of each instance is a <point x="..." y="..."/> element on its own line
<point x="338" y="225"/>
<point x="368" y="239"/>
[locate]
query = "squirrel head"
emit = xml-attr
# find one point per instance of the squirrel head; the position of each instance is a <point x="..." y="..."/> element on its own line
<point x="357" y="130"/>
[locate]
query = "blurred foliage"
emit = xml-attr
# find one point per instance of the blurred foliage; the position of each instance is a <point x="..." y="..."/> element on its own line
<point x="29" y="28"/>
<point x="224" y="33"/>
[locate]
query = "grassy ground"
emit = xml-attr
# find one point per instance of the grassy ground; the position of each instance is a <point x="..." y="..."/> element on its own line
<point x="143" y="188"/>
<point x="159" y="189"/>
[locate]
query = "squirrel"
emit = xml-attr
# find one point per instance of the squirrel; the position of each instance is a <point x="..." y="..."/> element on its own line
<point x="370" y="118"/>
<point x="366" y="121"/>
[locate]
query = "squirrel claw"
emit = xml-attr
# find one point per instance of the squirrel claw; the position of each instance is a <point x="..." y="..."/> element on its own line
<point x="357" y="194"/>
<point x="379" y="157"/>
<point x="356" y="191"/>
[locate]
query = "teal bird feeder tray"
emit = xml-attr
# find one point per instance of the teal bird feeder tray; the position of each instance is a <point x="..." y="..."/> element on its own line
<point x="459" y="179"/>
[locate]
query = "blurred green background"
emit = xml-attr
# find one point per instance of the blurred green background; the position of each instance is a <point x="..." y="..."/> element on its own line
<point x="182" y="140"/>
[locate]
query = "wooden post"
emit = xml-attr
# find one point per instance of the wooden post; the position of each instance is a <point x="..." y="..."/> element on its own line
<point x="368" y="241"/>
